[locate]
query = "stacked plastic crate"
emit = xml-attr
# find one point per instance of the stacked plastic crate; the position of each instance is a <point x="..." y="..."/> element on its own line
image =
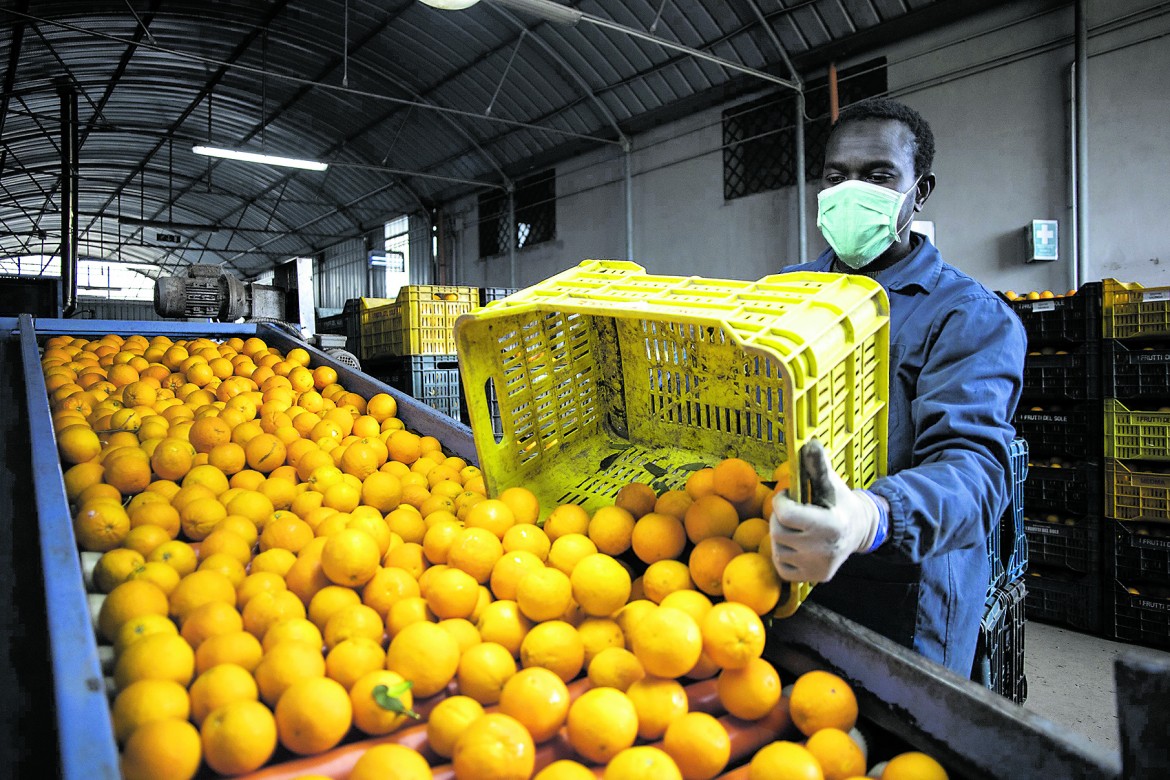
<point x="999" y="655"/>
<point x="1137" y="464"/>
<point x="410" y="345"/>
<point x="1060" y="416"/>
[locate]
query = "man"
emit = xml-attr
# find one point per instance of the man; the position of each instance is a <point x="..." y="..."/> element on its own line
<point x="908" y="556"/>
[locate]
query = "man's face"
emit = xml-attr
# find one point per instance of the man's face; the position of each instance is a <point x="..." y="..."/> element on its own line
<point x="878" y="151"/>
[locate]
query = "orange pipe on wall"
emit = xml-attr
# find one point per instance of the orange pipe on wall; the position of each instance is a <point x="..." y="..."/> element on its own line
<point x="834" y="105"/>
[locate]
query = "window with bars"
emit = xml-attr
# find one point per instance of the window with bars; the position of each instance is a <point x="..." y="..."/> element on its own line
<point x="535" y="216"/>
<point x="759" y="138"/>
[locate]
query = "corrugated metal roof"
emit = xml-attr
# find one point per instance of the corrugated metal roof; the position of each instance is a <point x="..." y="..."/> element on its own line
<point x="365" y="85"/>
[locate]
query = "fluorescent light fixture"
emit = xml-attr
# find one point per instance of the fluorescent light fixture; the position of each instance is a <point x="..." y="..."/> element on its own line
<point x="263" y="159"/>
<point x="450" y="5"/>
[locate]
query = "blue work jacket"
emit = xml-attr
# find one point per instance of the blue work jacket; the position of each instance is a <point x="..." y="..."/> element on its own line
<point x="956" y="372"/>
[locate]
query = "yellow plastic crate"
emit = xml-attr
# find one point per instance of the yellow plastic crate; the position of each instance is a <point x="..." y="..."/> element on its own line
<point x="1136" y="495"/>
<point x="420" y="321"/>
<point x="1136" y="435"/>
<point x="1133" y="311"/>
<point x="605" y="375"/>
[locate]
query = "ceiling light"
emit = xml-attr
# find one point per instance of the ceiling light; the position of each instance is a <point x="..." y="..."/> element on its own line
<point x="263" y="159"/>
<point x="450" y="5"/>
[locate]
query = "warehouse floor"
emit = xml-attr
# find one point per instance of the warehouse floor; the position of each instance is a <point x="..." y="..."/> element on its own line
<point x="1070" y="680"/>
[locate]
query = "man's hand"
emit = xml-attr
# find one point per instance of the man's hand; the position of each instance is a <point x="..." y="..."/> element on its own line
<point x="811" y="541"/>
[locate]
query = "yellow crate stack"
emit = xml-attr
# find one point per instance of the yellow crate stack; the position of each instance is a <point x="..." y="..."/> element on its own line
<point x="420" y="321"/>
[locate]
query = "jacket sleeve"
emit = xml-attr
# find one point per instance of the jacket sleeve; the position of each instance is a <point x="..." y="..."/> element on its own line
<point x="967" y="391"/>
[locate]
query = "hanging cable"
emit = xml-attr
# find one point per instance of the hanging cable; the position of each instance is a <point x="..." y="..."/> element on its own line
<point x="345" y="48"/>
<point x="504" y="76"/>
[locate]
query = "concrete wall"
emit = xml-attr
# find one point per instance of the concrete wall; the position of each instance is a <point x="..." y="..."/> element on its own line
<point x="996" y="90"/>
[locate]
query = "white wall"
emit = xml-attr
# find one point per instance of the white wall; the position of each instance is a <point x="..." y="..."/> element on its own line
<point x="996" y="90"/>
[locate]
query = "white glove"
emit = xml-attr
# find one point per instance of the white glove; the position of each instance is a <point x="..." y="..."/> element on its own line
<point x="811" y="541"/>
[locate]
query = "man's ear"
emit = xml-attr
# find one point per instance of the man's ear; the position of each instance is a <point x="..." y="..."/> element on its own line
<point x="923" y="190"/>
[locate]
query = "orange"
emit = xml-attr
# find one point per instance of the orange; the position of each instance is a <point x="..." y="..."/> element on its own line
<point x="404" y="612"/>
<point x="708" y="560"/>
<point x="199" y="588"/>
<point x="313" y="715"/>
<point x="404" y="446"/>
<point x="493" y="515"/>
<point x="600" y="585"/>
<point x="615" y="667"/>
<point x="287" y="532"/>
<point x="667" y="641"/>
<point x="839" y="756"/>
<point x="210" y="619"/>
<point x="438" y="540"/>
<point x="751" y="579"/>
<point x="701" y="483"/>
<point x="207" y="433"/>
<point x="709" y="516"/>
<point x="382" y="491"/>
<point x="449" y="719"/>
<point x="475" y="551"/>
<point x="611" y="529"/>
<point x="735" y="480"/>
<point x="658" y="537"/>
<point x="114" y="567"/>
<point x="637" y="498"/>
<point x="602" y="722"/>
<point x="751" y="691"/>
<point x="733" y="635"/>
<point x="913" y="766"/>
<point x="146" y="701"/>
<point x="784" y="759"/>
<point x="81" y="476"/>
<point x="298" y="629"/>
<point x="544" y="594"/>
<point x="502" y="621"/>
<point x="397" y="761"/>
<point x="538" y="699"/>
<point x="568" y="550"/>
<point x="453" y="594"/>
<point x="284" y="664"/>
<point x="101" y="525"/>
<point x="180" y="556"/>
<point x="528" y="538"/>
<point x="166" y="578"/>
<point x="162" y="748"/>
<point x="265" y="452"/>
<point x="565" y="769"/>
<point x="172" y="458"/>
<point x="270" y="608"/>
<point x="131" y="599"/>
<point x="238" y="647"/>
<point x="218" y="686"/>
<point x="350" y="557"/>
<point x="597" y="634"/>
<point x="658" y="703"/>
<point x="483" y="671"/>
<point x="78" y="444"/>
<point x="199" y="517"/>
<point x="359" y="459"/>
<point x="328" y="601"/>
<point x="354" y="620"/>
<point x="426" y="655"/>
<point x="408" y="524"/>
<point x="822" y="700"/>
<point x="381" y="701"/>
<point x="554" y="645"/>
<point x="277" y="560"/>
<point x="382" y="406"/>
<point x="699" y="745"/>
<point x="523" y="502"/>
<point x="143" y="625"/>
<point x="673" y="503"/>
<point x="387" y="586"/>
<point x="158" y="656"/>
<point x="566" y="519"/>
<point x="227" y="542"/>
<point x="494" y="747"/>
<point x="209" y="477"/>
<point x="750" y="533"/>
<point x="351" y="658"/>
<point x="509" y="570"/>
<point x="239" y="737"/>
<point x="640" y="762"/>
<point x="662" y="578"/>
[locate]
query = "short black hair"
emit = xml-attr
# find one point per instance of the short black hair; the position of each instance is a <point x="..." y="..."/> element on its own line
<point x="884" y="108"/>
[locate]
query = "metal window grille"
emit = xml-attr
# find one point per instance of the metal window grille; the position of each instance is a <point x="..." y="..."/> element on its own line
<point x="759" y="138"/>
<point x="536" y="215"/>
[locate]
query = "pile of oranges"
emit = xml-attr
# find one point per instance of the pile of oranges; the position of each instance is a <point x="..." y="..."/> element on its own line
<point x="288" y="571"/>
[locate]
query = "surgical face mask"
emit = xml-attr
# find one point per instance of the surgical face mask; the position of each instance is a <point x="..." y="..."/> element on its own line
<point x="860" y="220"/>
